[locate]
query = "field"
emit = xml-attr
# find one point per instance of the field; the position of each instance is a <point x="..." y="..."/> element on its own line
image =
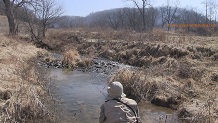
<point x="177" y="70"/>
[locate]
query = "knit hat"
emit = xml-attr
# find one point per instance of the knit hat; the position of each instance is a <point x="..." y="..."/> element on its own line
<point x="115" y="90"/>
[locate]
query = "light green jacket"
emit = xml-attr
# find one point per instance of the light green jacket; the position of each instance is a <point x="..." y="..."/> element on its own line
<point x="113" y="111"/>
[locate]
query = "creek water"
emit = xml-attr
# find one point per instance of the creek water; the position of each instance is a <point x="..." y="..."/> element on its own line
<point x="81" y="95"/>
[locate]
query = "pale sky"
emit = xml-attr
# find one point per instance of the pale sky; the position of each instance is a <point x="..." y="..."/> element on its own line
<point x="85" y="7"/>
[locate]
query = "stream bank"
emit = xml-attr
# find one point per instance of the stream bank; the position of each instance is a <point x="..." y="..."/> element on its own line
<point x="82" y="93"/>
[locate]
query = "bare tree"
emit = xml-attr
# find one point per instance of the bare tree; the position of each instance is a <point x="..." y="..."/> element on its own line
<point x="46" y="12"/>
<point x="206" y="10"/>
<point x="114" y="19"/>
<point x="98" y="20"/>
<point x="121" y="14"/>
<point x="212" y="10"/>
<point x="151" y="17"/>
<point x="187" y="17"/>
<point x="10" y="6"/>
<point x="163" y="16"/>
<point x="168" y="13"/>
<point x="141" y="10"/>
<point x="133" y="21"/>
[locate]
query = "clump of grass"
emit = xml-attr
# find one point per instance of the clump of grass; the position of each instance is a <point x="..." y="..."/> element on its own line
<point x="139" y="86"/>
<point x="205" y="113"/>
<point x="206" y="52"/>
<point x="26" y="103"/>
<point x="215" y="57"/>
<point x="85" y="62"/>
<point x="108" y="54"/>
<point x="214" y="77"/>
<point x="150" y="86"/>
<point x="135" y="84"/>
<point x="71" y="58"/>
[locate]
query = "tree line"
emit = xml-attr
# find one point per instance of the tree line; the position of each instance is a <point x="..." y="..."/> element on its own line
<point x="144" y="18"/>
<point x="39" y="15"/>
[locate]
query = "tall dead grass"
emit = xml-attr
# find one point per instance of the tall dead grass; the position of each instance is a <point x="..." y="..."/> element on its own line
<point x="27" y="101"/>
<point x="106" y="34"/>
<point x="206" y="112"/>
<point x="70" y="59"/>
<point x="23" y="90"/>
<point x="140" y="85"/>
<point x="170" y="91"/>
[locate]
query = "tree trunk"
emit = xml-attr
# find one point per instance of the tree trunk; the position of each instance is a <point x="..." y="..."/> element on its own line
<point x="10" y="15"/>
<point x="143" y="16"/>
<point x="43" y="31"/>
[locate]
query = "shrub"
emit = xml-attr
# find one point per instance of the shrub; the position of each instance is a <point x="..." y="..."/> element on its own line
<point x="70" y="59"/>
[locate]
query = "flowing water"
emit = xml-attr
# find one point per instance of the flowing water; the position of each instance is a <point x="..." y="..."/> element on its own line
<point x="82" y="93"/>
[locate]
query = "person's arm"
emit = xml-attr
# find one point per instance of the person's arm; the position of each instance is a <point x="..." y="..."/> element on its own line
<point x="102" y="116"/>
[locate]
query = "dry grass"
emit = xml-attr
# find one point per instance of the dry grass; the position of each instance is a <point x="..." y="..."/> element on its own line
<point x="147" y="85"/>
<point x="22" y="89"/>
<point x="85" y="62"/>
<point x="105" y="34"/>
<point x="70" y="59"/>
<point x="175" y="68"/>
<point x="135" y="84"/>
<point x="168" y="90"/>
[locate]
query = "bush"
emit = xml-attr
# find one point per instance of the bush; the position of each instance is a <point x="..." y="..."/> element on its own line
<point x="70" y="59"/>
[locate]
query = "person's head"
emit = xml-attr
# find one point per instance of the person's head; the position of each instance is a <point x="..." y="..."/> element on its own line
<point x="115" y="90"/>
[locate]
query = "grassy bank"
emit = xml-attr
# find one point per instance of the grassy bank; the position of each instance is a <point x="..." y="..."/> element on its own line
<point x="22" y="89"/>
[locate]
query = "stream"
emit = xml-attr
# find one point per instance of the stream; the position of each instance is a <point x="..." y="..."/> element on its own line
<point x="82" y="93"/>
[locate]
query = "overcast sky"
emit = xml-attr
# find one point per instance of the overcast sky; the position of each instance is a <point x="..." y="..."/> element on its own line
<point x="85" y="7"/>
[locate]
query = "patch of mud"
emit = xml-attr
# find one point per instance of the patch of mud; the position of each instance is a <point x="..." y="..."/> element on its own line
<point x="103" y="66"/>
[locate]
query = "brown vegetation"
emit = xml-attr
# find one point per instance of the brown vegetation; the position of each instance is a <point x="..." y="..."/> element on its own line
<point x="176" y="71"/>
<point x="71" y="59"/>
<point x="23" y="90"/>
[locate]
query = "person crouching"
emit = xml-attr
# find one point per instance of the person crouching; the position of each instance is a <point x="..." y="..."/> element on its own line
<point x="117" y="107"/>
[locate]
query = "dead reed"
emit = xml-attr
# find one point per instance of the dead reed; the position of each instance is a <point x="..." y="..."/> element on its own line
<point x="23" y="94"/>
<point x="70" y="59"/>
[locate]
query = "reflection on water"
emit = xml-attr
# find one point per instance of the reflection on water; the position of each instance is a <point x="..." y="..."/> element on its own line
<point x="154" y="114"/>
<point x="82" y="94"/>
